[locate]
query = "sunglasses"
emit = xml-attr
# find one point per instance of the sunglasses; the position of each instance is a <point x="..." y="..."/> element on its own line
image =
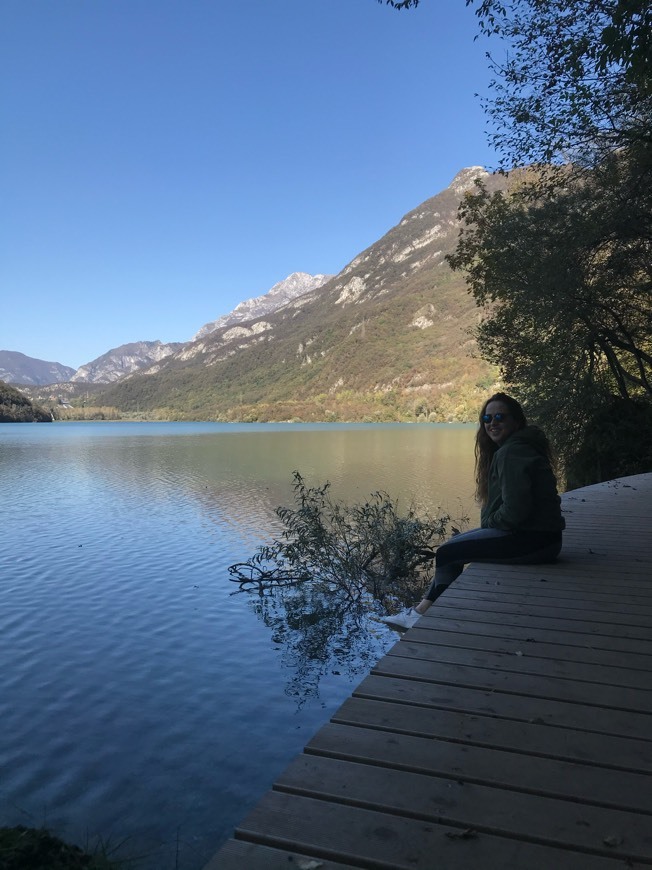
<point x="499" y="417"/>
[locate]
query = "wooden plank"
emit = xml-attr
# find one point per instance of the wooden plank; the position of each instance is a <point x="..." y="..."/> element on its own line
<point x="554" y="620"/>
<point x="617" y="581"/>
<point x="550" y="624"/>
<point x="601" y="524"/>
<point x="553" y="586"/>
<point x="466" y="805"/>
<point x="590" y="536"/>
<point x="577" y="607"/>
<point x="594" y="616"/>
<point x="563" y="596"/>
<point x="523" y="662"/>
<point x="556" y="590"/>
<point x="448" y="629"/>
<point x="616" y="789"/>
<point x="498" y="643"/>
<point x="240" y="855"/>
<point x="531" y="634"/>
<point x="387" y="842"/>
<point x="587" y="568"/>
<point x="558" y="714"/>
<point x="530" y="738"/>
<point x="531" y="685"/>
<point x="611" y="514"/>
<point x="590" y="589"/>
<point x="585" y="580"/>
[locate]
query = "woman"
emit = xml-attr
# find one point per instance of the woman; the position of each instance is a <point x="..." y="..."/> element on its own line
<point x="521" y="517"/>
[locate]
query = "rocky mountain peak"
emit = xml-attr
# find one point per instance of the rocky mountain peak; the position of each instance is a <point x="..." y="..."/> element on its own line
<point x="295" y="285"/>
<point x="123" y="360"/>
<point x="465" y="179"/>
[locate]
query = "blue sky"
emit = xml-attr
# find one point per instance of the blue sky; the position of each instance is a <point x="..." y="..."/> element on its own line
<point x="162" y="160"/>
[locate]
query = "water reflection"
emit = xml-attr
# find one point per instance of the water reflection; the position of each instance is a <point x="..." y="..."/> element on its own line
<point x="239" y="475"/>
<point x="119" y="626"/>
<point x="318" y="635"/>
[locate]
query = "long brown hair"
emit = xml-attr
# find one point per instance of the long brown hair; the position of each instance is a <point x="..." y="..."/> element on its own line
<point x="485" y="447"/>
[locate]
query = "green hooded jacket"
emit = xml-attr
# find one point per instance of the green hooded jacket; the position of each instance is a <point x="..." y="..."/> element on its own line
<point x="522" y="487"/>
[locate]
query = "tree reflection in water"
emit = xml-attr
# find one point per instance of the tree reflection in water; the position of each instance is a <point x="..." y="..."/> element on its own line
<point x="319" y="634"/>
<point x="332" y="566"/>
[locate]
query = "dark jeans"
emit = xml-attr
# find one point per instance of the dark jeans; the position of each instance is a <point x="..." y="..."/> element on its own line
<point x="490" y="545"/>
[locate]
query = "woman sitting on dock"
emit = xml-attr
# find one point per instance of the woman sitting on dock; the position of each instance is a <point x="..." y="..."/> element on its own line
<point x="521" y="519"/>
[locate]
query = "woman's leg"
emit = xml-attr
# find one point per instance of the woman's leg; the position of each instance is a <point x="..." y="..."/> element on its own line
<point x="450" y="559"/>
<point x="486" y="545"/>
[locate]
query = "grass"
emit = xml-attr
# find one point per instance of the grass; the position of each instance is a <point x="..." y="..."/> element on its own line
<point x="23" y="848"/>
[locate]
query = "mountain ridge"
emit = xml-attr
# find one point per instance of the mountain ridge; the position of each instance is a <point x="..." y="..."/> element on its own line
<point x="395" y="321"/>
<point x="123" y="360"/>
<point x="18" y="368"/>
<point x="388" y="337"/>
<point x="118" y="362"/>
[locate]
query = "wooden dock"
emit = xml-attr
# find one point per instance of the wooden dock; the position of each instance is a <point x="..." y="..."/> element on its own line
<point x="510" y="729"/>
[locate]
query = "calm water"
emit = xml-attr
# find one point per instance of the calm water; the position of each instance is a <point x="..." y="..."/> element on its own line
<point x="140" y="698"/>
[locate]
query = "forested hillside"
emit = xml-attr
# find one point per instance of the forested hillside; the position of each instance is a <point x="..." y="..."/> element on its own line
<point x="17" y="408"/>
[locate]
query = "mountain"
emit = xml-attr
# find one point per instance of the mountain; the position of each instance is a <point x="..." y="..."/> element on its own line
<point x="128" y="358"/>
<point x="123" y="360"/>
<point x="16" y="368"/>
<point x="389" y="337"/>
<point x="285" y="291"/>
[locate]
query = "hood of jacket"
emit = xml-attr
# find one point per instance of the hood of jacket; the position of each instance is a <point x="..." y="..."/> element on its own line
<point x="530" y="436"/>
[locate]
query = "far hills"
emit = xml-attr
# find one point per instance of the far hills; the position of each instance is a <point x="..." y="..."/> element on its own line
<point x="17" y="368"/>
<point x="388" y="338"/>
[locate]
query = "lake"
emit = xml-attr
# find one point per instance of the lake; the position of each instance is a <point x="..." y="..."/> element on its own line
<point x="142" y="697"/>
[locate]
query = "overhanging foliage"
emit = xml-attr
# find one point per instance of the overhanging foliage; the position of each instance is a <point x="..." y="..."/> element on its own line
<point x="566" y="285"/>
<point x="355" y="553"/>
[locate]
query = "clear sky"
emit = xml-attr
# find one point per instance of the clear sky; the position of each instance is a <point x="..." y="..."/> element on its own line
<point x="163" y="160"/>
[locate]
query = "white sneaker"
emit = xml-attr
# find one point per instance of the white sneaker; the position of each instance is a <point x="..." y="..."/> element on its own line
<point x="402" y="620"/>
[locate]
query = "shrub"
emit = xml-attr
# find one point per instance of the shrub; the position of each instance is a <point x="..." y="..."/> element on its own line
<point x="24" y="848"/>
<point x="354" y="552"/>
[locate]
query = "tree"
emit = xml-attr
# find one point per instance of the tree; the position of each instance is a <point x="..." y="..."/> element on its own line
<point x="572" y="79"/>
<point x="401" y="4"/>
<point x="17" y="408"/>
<point x="574" y="83"/>
<point x="561" y="261"/>
<point x="566" y="284"/>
